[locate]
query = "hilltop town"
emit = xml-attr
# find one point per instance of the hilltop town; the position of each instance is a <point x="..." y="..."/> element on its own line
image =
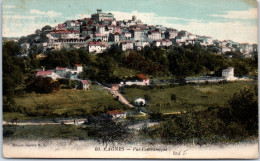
<point x="125" y="81"/>
<point x="100" y="31"/>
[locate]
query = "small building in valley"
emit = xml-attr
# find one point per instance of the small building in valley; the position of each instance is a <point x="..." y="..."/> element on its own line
<point x="140" y="80"/>
<point x="49" y="73"/>
<point x="228" y="74"/>
<point x="117" y="114"/>
<point x="83" y="84"/>
<point x="140" y="102"/>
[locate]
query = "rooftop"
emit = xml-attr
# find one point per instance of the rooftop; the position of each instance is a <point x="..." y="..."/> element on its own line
<point x="44" y="73"/>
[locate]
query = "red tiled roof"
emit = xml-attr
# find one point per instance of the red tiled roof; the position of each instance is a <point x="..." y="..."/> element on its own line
<point x="141" y="76"/>
<point x="115" y="112"/>
<point x="78" y="65"/>
<point x="100" y="34"/>
<point x="154" y="31"/>
<point x="64" y="31"/>
<point x="60" y="68"/>
<point x="96" y="44"/>
<point x="44" y="73"/>
<point x="124" y="42"/>
<point x="84" y="81"/>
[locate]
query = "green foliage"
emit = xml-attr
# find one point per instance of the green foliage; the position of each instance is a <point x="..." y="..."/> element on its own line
<point x="45" y="132"/>
<point x="109" y="131"/>
<point x="138" y="62"/>
<point x="67" y="83"/>
<point x="173" y="97"/>
<point x="64" y="103"/>
<point x="147" y="97"/>
<point x="214" y="125"/>
<point x="9" y="104"/>
<point x="200" y="97"/>
<point x="43" y="85"/>
<point x="244" y="106"/>
<point x="155" y="116"/>
<point x="12" y="72"/>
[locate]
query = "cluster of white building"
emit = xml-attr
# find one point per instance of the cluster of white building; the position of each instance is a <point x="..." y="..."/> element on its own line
<point x="227" y="75"/>
<point x="67" y="73"/>
<point x="102" y="30"/>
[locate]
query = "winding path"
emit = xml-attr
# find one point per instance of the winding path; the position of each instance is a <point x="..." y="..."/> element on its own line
<point x="121" y="98"/>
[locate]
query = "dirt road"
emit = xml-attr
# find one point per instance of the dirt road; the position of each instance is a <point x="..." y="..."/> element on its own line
<point x="121" y="98"/>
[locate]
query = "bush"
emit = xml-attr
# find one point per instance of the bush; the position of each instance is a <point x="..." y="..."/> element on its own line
<point x="147" y="97"/>
<point x="173" y="97"/>
<point x="43" y="85"/>
<point x="244" y="107"/>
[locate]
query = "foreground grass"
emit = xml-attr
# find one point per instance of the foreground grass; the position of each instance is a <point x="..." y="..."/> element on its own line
<point x="198" y="97"/>
<point x="44" y="132"/>
<point x="63" y="103"/>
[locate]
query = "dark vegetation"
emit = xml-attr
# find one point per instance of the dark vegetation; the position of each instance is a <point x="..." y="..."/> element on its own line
<point x="101" y="127"/>
<point x="178" y="62"/>
<point x="234" y="123"/>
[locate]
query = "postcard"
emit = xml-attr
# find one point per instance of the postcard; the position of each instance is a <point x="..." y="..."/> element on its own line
<point x="153" y="79"/>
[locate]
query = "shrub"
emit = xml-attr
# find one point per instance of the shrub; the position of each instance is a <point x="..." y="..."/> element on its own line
<point x="43" y="85"/>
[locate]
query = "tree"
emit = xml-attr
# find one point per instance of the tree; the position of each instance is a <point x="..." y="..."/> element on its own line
<point x="43" y="85"/>
<point x="173" y="97"/>
<point x="109" y="131"/>
<point x="12" y="73"/>
<point x="147" y="97"/>
<point x="38" y="32"/>
<point x="47" y="27"/>
<point x="244" y="107"/>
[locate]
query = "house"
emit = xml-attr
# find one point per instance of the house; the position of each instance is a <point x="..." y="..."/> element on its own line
<point x="171" y="34"/>
<point x="83" y="84"/>
<point x="145" y="80"/>
<point x="127" y="35"/>
<point x="49" y="73"/>
<point x="72" y="25"/>
<point x="140" y="102"/>
<point x="140" y="80"/>
<point x="154" y="35"/>
<point x="62" y="72"/>
<point x="138" y="35"/>
<point x="165" y="42"/>
<point x="100" y="37"/>
<point x="139" y="45"/>
<point x="96" y="47"/>
<point x="114" y="37"/>
<point x="78" y="68"/>
<point x="205" y="40"/>
<point x="228" y="74"/>
<point x="115" y="87"/>
<point x="226" y="49"/>
<point x="126" y="45"/>
<point x="246" y="48"/>
<point x="117" y="114"/>
<point x="99" y="16"/>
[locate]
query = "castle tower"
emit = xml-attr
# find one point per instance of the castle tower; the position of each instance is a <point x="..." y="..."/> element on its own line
<point x="99" y="11"/>
<point x="134" y="18"/>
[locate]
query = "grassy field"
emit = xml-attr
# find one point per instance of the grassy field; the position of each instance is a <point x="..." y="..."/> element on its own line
<point x="198" y="97"/>
<point x="65" y="102"/>
<point x="122" y="72"/>
<point x="44" y="132"/>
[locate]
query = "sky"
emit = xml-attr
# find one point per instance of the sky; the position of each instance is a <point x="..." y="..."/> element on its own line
<point x="235" y="20"/>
